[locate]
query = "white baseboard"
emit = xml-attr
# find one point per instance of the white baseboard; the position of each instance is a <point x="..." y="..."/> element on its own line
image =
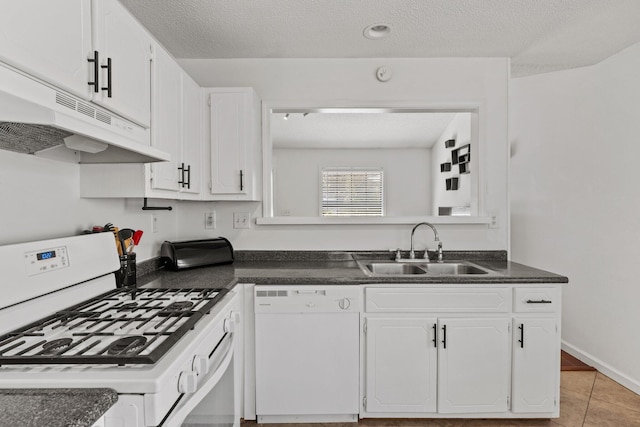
<point x="603" y="367"/>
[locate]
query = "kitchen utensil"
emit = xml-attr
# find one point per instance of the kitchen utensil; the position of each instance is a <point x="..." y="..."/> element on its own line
<point x="137" y="235"/>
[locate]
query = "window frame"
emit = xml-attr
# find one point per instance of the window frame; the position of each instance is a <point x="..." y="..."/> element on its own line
<point x="352" y="169"/>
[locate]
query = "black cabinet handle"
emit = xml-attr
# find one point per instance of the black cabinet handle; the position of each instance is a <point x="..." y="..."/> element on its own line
<point x="521" y="340"/>
<point x="96" y="72"/>
<point x="444" y="336"/>
<point x="241" y="180"/>
<point x="189" y="177"/>
<point x="538" y="301"/>
<point x="435" y="335"/>
<point x="109" y="69"/>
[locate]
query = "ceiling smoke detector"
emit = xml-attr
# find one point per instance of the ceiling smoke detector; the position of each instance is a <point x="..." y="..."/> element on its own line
<point x="376" y="31"/>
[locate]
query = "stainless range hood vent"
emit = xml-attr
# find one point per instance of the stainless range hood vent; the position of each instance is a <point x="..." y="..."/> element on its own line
<point x="30" y="139"/>
<point x="38" y="119"/>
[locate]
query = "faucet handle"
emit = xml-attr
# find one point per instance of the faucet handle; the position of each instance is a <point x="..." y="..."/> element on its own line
<point x="398" y="253"/>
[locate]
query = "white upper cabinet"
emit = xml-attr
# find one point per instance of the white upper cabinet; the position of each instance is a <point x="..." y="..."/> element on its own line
<point x="191" y="137"/>
<point x="124" y="49"/>
<point x="93" y="49"/>
<point x="235" y="126"/>
<point x="166" y="123"/>
<point x="50" y="40"/>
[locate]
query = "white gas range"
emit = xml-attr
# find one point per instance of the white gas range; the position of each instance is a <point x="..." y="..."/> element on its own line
<point x="169" y="353"/>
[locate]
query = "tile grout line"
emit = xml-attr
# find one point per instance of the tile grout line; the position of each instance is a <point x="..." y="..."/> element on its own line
<point x="590" y="396"/>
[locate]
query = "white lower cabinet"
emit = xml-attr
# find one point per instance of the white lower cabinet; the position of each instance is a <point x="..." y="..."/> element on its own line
<point x="401" y="364"/>
<point x="461" y="351"/>
<point x="447" y="365"/>
<point x="473" y="361"/>
<point x="535" y="364"/>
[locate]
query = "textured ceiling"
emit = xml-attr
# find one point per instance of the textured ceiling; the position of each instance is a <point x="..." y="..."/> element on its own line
<point x="539" y="35"/>
<point x="358" y="130"/>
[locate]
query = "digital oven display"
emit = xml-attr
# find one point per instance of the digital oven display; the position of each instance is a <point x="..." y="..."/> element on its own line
<point x="45" y="255"/>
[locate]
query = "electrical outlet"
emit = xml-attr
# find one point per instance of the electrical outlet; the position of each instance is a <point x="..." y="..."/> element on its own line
<point x="210" y="220"/>
<point x="493" y="220"/>
<point x="241" y="220"/>
<point x="154" y="223"/>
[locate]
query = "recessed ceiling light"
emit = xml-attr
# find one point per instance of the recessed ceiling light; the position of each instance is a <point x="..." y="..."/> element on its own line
<point x="376" y="31"/>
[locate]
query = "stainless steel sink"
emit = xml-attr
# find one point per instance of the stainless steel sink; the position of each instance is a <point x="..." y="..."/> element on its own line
<point x="394" y="269"/>
<point x="399" y="268"/>
<point x="454" y="269"/>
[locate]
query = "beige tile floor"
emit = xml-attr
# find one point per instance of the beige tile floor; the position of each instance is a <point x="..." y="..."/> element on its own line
<point x="587" y="399"/>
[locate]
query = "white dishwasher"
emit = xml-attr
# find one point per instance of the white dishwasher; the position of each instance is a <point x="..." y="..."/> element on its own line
<point x="307" y="353"/>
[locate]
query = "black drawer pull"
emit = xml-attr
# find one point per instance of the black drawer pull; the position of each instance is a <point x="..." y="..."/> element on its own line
<point x="109" y="69"/>
<point x="444" y="336"/>
<point x="435" y="335"/>
<point x="521" y="340"/>
<point x="538" y="301"/>
<point x="96" y="71"/>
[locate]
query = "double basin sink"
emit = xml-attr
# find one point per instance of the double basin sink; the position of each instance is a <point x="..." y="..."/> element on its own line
<point x="416" y="268"/>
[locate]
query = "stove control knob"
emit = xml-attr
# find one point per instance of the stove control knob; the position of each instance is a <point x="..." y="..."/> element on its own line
<point x="344" y="303"/>
<point x="200" y="365"/>
<point x="187" y="382"/>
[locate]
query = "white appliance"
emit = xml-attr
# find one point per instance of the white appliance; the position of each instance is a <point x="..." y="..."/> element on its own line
<point x="33" y="109"/>
<point x="307" y="353"/>
<point x="169" y="353"/>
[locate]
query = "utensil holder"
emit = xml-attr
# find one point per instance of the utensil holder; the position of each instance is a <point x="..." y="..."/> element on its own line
<point x="126" y="276"/>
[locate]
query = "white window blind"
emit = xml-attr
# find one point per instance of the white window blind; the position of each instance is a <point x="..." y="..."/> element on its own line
<point x="352" y="192"/>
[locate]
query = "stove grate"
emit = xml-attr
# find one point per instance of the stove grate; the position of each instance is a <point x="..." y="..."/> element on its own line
<point x="160" y="316"/>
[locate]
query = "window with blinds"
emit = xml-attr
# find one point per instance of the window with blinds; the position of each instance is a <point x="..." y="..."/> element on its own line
<point x="352" y="192"/>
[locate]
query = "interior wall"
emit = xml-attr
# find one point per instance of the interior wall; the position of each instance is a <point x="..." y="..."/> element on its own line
<point x="41" y="200"/>
<point x="297" y="178"/>
<point x="575" y="202"/>
<point x="482" y="82"/>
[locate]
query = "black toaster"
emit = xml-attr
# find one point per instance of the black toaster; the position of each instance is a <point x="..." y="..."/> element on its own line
<point x="196" y="253"/>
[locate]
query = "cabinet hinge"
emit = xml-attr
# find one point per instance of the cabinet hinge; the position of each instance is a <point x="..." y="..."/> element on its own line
<point x="508" y="402"/>
<point x="364" y="326"/>
<point x="556" y="328"/>
<point x="555" y="402"/>
<point x="364" y="402"/>
<point x="209" y="101"/>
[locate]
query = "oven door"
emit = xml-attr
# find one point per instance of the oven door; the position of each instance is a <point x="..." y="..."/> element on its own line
<point x="213" y="403"/>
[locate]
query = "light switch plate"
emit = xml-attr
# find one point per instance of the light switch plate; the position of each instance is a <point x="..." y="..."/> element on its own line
<point x="241" y="220"/>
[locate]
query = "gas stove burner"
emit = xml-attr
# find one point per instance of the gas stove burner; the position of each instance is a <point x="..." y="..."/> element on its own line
<point x="176" y="307"/>
<point x="55" y="346"/>
<point x="127" y="345"/>
<point x="129" y="306"/>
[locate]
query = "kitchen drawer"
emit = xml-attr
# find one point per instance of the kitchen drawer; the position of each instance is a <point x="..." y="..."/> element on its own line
<point x="536" y="300"/>
<point x="441" y="300"/>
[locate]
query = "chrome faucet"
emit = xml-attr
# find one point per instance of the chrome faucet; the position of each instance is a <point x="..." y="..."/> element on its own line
<point x="412" y="254"/>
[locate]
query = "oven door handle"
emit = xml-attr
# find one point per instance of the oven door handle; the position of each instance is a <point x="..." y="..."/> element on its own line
<point x="219" y="364"/>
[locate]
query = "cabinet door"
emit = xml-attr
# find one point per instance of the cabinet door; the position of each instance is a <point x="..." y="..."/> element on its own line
<point x="229" y="129"/>
<point x="191" y="139"/>
<point x="50" y="40"/>
<point x="401" y="360"/>
<point x="535" y="364"/>
<point x="473" y="370"/>
<point x="165" y="128"/>
<point x="119" y="37"/>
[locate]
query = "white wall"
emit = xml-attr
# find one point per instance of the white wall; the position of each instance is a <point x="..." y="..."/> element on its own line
<point x="575" y="202"/>
<point x="435" y="82"/>
<point x="41" y="200"/>
<point x="297" y="178"/>
<point x="460" y="130"/>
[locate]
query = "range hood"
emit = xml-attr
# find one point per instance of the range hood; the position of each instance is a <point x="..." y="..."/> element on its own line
<point x="38" y="119"/>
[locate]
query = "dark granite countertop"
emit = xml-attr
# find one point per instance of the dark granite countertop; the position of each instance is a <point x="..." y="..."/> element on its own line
<point x="54" y="407"/>
<point x="339" y="267"/>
